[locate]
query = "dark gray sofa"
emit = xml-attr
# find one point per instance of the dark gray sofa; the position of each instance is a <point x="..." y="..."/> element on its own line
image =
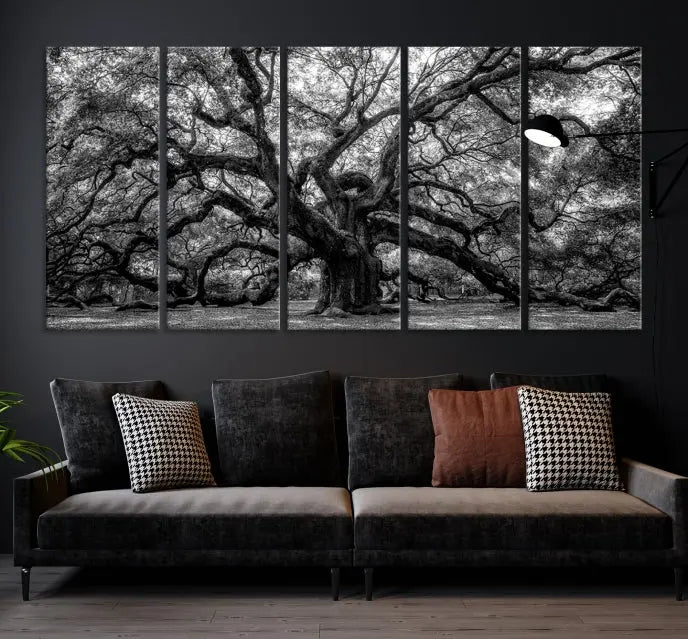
<point x="280" y="500"/>
<point x="390" y="516"/>
<point x="401" y="520"/>
<point x="227" y="526"/>
<point x="425" y="526"/>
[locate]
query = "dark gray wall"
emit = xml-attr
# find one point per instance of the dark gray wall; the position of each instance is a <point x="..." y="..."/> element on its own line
<point x="30" y="356"/>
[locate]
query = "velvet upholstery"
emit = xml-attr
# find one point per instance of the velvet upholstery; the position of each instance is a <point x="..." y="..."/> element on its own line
<point x="276" y="432"/>
<point x="429" y="557"/>
<point x="391" y="438"/>
<point x="90" y="430"/>
<point x="201" y="518"/>
<point x="505" y="519"/>
<point x="665" y="491"/>
<point x="280" y="557"/>
<point x="564" y="383"/>
<point x="33" y="495"/>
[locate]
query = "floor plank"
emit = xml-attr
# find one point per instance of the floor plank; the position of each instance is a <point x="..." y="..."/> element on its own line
<point x="195" y="604"/>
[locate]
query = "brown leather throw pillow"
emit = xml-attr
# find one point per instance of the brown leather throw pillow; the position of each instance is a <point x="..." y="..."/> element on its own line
<point x="478" y="439"/>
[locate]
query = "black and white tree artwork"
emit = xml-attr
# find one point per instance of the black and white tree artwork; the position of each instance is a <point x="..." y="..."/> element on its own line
<point x="102" y="259"/>
<point x="343" y="190"/>
<point x="464" y="188"/>
<point x="585" y="201"/>
<point x="223" y="188"/>
<point x="343" y="187"/>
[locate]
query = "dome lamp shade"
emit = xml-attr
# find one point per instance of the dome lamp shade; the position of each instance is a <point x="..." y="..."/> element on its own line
<point x="546" y="130"/>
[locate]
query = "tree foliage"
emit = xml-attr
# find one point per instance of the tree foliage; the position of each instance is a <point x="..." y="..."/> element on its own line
<point x="464" y="172"/>
<point x="343" y="193"/>
<point x="343" y="172"/>
<point x="223" y="176"/>
<point x="584" y="212"/>
<point x="102" y="177"/>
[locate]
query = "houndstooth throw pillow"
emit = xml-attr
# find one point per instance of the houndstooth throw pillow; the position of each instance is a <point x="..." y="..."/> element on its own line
<point x="569" y="440"/>
<point x="164" y="443"/>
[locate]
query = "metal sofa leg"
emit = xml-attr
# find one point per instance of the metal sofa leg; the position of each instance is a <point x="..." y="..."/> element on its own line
<point x="368" y="573"/>
<point x="678" y="583"/>
<point x="26" y="578"/>
<point x="334" y="583"/>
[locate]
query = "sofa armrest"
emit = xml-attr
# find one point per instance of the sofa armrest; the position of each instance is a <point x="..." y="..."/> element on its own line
<point x="33" y="495"/>
<point x="665" y="491"/>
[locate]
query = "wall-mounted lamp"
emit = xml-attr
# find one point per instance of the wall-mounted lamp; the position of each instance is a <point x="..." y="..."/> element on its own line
<point x="547" y="130"/>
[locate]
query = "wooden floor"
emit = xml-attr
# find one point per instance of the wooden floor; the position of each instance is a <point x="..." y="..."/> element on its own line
<point x="289" y="603"/>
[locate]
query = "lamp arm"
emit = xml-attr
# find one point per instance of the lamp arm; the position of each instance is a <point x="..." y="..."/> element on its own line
<point x="551" y="133"/>
<point x="616" y="134"/>
<point x="674" y="152"/>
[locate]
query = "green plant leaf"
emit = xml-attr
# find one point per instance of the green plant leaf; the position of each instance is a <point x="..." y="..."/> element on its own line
<point x="16" y="448"/>
<point x="13" y="455"/>
<point x="6" y="436"/>
<point x="39" y="457"/>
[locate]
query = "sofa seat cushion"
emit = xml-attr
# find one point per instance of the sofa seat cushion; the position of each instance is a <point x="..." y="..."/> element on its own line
<point x="396" y="518"/>
<point x="201" y="518"/>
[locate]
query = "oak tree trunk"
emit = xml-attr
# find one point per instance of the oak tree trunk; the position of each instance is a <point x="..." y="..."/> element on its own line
<point x="349" y="283"/>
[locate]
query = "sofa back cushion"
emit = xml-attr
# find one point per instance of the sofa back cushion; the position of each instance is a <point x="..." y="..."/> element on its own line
<point x="276" y="432"/>
<point x="564" y="383"/>
<point x="90" y="430"/>
<point x="594" y="383"/>
<point x="478" y="439"/>
<point x="391" y="439"/>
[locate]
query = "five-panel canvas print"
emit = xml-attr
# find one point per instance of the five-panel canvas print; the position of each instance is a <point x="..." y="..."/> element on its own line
<point x="376" y="195"/>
